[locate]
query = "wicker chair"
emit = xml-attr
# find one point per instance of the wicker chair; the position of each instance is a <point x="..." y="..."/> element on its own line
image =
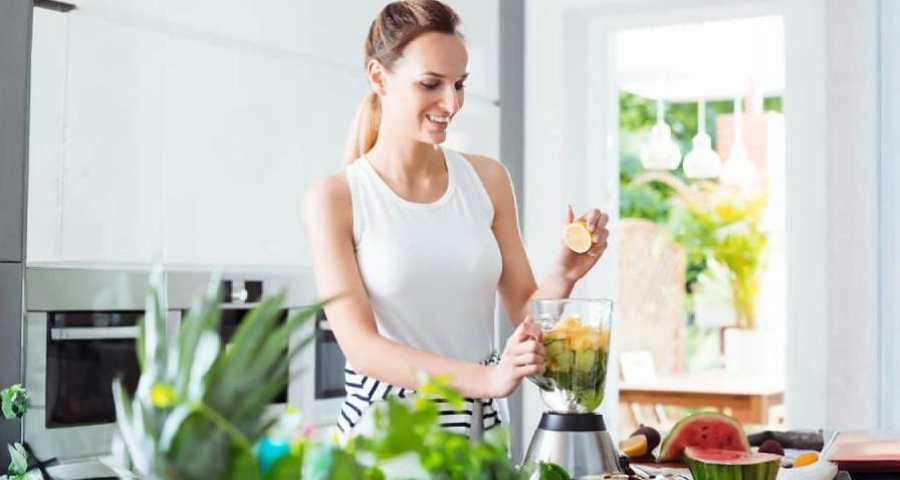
<point x="651" y="293"/>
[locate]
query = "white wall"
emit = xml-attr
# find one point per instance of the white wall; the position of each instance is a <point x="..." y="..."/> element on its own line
<point x="187" y="131"/>
<point x="852" y="214"/>
<point x="889" y="101"/>
<point x="830" y="172"/>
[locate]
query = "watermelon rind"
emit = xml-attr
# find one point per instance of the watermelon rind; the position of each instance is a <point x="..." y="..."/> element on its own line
<point x="746" y="466"/>
<point x="674" y="444"/>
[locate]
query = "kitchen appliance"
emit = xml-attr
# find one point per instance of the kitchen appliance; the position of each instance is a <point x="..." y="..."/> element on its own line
<point x="317" y="372"/>
<point x="328" y="374"/>
<point x="81" y="325"/>
<point x="571" y="434"/>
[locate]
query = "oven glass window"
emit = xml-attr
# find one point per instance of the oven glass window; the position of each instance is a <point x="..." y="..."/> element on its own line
<point x="330" y="362"/>
<point x="231" y="319"/>
<point x="85" y="352"/>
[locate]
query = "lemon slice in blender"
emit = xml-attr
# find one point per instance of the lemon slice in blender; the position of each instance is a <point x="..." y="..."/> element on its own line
<point x="578" y="237"/>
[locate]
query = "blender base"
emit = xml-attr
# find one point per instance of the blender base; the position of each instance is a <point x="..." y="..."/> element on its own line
<point x="578" y="442"/>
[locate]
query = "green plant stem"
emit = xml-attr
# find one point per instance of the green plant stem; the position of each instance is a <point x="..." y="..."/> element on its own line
<point x="224" y="424"/>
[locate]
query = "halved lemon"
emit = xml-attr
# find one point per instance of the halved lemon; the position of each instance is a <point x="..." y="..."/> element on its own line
<point x="635" y="446"/>
<point x="578" y="237"/>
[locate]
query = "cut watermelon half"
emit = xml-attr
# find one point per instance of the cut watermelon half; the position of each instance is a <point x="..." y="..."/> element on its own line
<point x="720" y="464"/>
<point x="704" y="430"/>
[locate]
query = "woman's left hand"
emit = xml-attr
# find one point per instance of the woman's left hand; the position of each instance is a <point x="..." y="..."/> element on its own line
<point x="573" y="266"/>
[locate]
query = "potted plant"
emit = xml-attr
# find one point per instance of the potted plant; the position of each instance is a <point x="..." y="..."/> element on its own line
<point x="740" y="247"/>
<point x="198" y="412"/>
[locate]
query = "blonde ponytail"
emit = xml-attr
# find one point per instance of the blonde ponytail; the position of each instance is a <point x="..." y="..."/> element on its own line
<point x="364" y="130"/>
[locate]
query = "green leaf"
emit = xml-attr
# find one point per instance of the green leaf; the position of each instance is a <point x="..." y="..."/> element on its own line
<point x="199" y="408"/>
<point x="262" y="381"/>
<point x="243" y="465"/>
<point x="552" y="471"/>
<point x="18" y="463"/>
<point x="286" y="468"/>
<point x="15" y="401"/>
<point x="330" y="463"/>
<point x="202" y="321"/>
<point x="410" y="431"/>
<point x="131" y="430"/>
<point x="253" y="331"/>
<point x="205" y="355"/>
<point x="154" y="332"/>
<point x="438" y="387"/>
<point x="139" y="346"/>
<point x="228" y="379"/>
<point x="374" y="473"/>
<point x="196" y="447"/>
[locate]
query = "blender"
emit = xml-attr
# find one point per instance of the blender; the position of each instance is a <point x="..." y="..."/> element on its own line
<point x="570" y="433"/>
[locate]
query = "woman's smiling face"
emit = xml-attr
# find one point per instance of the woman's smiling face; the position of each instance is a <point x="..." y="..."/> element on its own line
<point x="425" y="90"/>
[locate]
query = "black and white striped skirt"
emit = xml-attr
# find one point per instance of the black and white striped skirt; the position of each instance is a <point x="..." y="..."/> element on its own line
<point x="363" y="392"/>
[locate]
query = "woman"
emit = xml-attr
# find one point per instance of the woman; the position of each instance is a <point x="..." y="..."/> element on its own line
<point x="416" y="240"/>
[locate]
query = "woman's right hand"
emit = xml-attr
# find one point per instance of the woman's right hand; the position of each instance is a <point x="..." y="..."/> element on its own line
<point x="523" y="356"/>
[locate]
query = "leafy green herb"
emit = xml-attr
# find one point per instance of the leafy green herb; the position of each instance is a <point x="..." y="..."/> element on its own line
<point x="330" y="463"/>
<point x="412" y="430"/>
<point x="15" y="401"/>
<point x="18" y="464"/>
<point x="552" y="471"/>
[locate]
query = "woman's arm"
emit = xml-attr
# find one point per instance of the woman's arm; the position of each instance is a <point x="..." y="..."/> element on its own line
<point x="329" y="223"/>
<point x="517" y="283"/>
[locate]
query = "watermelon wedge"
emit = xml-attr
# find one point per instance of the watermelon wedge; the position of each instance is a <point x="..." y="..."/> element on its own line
<point x="719" y="464"/>
<point x="704" y="430"/>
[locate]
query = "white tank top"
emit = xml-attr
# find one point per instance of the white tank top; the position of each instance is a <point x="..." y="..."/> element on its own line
<point x="431" y="272"/>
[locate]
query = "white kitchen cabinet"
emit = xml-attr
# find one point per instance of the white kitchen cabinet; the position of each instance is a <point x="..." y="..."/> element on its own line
<point x="114" y="146"/>
<point x="46" y="133"/>
<point x="328" y="32"/>
<point x="333" y="32"/>
<point x="244" y="148"/>
<point x="188" y="131"/>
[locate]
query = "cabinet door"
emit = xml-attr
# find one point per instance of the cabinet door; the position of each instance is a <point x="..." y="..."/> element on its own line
<point x="10" y="343"/>
<point x="15" y="19"/>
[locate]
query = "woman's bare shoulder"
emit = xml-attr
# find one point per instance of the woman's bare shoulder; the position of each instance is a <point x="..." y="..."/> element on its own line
<point x="330" y="196"/>
<point x="492" y="173"/>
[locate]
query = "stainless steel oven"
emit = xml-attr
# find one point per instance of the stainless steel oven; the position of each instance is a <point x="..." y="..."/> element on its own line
<point x="328" y="371"/>
<point x="317" y="373"/>
<point x="240" y="292"/>
<point x="81" y="326"/>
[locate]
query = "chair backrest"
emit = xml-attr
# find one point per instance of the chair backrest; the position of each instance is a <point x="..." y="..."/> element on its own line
<point x="651" y="293"/>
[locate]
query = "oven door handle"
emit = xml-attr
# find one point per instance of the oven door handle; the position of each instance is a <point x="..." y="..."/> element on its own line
<point x="93" y="333"/>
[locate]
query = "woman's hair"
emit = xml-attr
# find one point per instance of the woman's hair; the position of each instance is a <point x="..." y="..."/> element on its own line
<point x="398" y="24"/>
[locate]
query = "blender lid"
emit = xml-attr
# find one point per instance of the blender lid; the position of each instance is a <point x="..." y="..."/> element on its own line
<point x="572" y="422"/>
